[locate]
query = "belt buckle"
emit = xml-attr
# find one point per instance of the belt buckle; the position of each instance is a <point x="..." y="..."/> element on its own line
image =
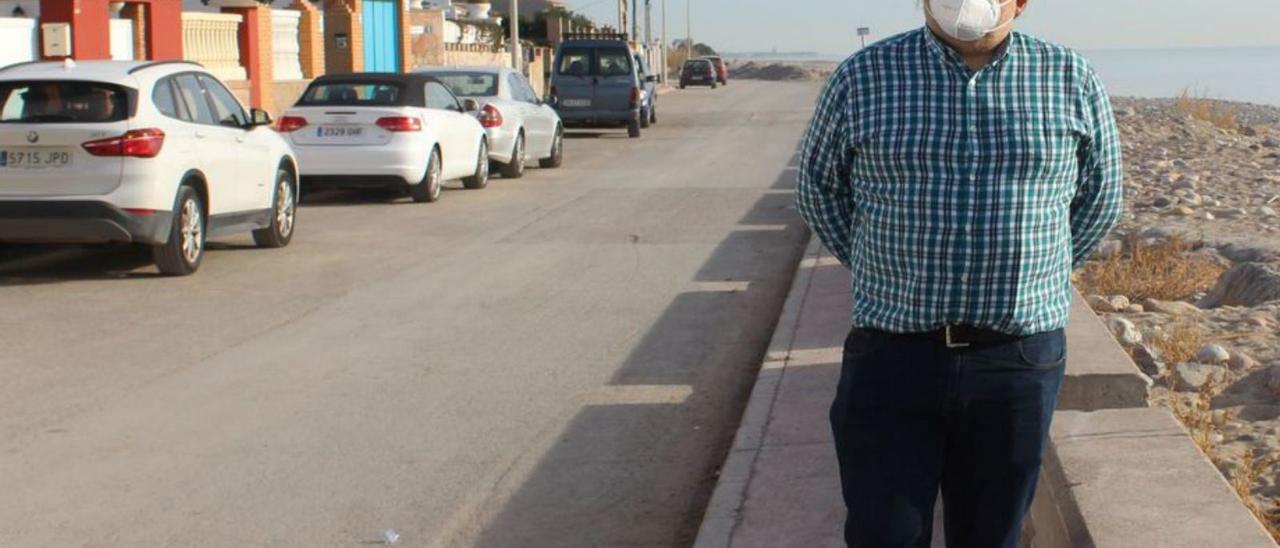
<point x="953" y="344"/>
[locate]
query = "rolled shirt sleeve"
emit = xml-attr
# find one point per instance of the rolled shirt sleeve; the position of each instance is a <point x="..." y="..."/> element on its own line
<point x="824" y="193"/>
<point x="1099" y="196"/>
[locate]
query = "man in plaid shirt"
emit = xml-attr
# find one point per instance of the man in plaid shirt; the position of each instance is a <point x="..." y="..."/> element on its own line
<point x="960" y="171"/>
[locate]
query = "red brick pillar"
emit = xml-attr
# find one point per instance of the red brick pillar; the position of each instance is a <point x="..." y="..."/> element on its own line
<point x="137" y="14"/>
<point x="406" y="36"/>
<point x="90" y="33"/>
<point x="310" y="39"/>
<point x="344" y="37"/>
<point x="256" y="54"/>
<point x="164" y="30"/>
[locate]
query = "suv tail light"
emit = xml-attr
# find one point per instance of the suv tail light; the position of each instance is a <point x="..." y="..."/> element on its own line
<point x="288" y="124"/>
<point x="635" y="96"/>
<point x="399" y="124"/>
<point x="135" y="143"/>
<point x="554" y="95"/>
<point x="490" y="116"/>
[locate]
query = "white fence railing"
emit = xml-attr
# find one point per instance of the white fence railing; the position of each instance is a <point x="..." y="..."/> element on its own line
<point x="212" y="39"/>
<point x="285" y="47"/>
<point x="18" y="34"/>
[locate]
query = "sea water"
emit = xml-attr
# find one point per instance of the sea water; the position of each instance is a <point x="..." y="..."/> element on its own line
<point x="1238" y="74"/>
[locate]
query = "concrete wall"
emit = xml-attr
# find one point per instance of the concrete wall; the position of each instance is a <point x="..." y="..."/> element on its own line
<point x="1119" y="473"/>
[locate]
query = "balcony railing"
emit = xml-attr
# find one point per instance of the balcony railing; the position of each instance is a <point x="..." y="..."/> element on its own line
<point x="212" y="39"/>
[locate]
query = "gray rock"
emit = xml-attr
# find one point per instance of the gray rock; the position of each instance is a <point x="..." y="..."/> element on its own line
<point x="1107" y="249"/>
<point x="1125" y="331"/>
<point x="1266" y="212"/>
<point x="1134" y="309"/>
<point x="1242" y="362"/>
<point x="1164" y="201"/>
<point x="1230" y="213"/>
<point x="1213" y="354"/>
<point x="1172" y="308"/>
<point x="1273" y="384"/>
<point x="1100" y="304"/>
<point x="1249" y="254"/>
<point x="1245" y="284"/>
<point x="1147" y="358"/>
<point x="1192" y="376"/>
<point x="1248" y="131"/>
<point x="1271" y="142"/>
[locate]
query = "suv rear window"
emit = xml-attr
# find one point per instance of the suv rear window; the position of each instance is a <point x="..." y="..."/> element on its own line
<point x="594" y="61"/>
<point x="64" y="102"/>
<point x="355" y="93"/>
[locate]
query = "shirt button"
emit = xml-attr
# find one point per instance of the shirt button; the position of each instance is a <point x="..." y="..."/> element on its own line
<point x="973" y="178"/>
<point x="964" y="278"/>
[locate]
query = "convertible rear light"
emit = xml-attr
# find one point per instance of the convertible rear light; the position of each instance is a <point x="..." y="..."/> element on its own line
<point x="140" y="211"/>
<point x="135" y="143"/>
<point x="490" y="116"/>
<point x="635" y="96"/>
<point x="397" y="124"/>
<point x="288" y="124"/>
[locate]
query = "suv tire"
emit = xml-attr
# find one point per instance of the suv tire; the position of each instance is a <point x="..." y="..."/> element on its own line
<point x="284" y="211"/>
<point x="182" y="253"/>
<point x="644" y="117"/>
<point x="633" y="128"/>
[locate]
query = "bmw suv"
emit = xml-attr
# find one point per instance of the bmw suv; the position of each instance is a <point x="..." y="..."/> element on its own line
<point x="153" y="153"/>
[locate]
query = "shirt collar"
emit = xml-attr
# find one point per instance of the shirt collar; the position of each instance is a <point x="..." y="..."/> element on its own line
<point x="945" y="52"/>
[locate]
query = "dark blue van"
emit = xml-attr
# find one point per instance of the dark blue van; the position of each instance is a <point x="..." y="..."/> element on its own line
<point x="595" y="82"/>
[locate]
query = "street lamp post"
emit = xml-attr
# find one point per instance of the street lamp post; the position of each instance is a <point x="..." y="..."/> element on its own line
<point x="517" y="57"/>
<point x="688" y="28"/>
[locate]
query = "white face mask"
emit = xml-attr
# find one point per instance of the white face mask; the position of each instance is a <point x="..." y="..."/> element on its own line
<point x="967" y="20"/>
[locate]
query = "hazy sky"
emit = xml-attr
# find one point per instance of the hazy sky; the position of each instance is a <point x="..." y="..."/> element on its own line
<point x="829" y="26"/>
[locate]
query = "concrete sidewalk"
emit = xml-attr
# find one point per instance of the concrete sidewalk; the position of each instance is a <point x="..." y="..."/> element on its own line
<point x="780" y="485"/>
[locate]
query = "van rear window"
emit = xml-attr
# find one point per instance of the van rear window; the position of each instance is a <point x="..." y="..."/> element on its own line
<point x="597" y="61"/>
<point x="54" y="102"/>
<point x="355" y="93"/>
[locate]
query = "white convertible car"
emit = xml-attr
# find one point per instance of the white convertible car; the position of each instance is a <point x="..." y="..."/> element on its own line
<point x="519" y="124"/>
<point x="403" y="131"/>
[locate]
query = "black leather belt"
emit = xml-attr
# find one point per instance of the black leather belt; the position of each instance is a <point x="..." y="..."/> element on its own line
<point x="963" y="336"/>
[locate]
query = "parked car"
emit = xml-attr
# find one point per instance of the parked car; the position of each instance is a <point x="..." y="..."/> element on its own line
<point x="406" y="132"/>
<point x="722" y="70"/>
<point x="698" y="72"/>
<point x="595" y="82"/>
<point x="153" y="153"/>
<point x="515" y="119"/>
<point x="648" y="93"/>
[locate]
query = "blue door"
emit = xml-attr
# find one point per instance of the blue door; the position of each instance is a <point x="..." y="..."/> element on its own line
<point x="381" y="21"/>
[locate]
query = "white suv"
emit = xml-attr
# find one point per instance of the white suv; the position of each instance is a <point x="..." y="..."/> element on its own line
<point x="154" y="153"/>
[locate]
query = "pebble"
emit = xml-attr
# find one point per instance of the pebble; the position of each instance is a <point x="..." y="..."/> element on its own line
<point x="1172" y="308"/>
<point x="1213" y="354"/>
<point x="1134" y="309"/>
<point x="1241" y="362"/>
<point x="1267" y="212"/>
<point x="1100" y="304"/>
<point x="1208" y="216"/>
<point x="1125" y="331"/>
<point x="1184" y="211"/>
<point x="1271" y="142"/>
<point x="1164" y="201"/>
<point x="1231" y="213"/>
<point x="1192" y="376"/>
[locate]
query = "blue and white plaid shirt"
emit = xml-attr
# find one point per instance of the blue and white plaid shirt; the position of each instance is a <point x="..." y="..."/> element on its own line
<point x="961" y="197"/>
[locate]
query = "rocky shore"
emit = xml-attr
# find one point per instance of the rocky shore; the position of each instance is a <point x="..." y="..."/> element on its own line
<point x="1203" y="179"/>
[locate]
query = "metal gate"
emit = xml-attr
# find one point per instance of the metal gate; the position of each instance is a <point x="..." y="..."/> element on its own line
<point x="381" y="22"/>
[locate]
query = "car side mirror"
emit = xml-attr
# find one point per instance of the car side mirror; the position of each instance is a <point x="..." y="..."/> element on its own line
<point x="651" y="78"/>
<point x="259" y="117"/>
<point x="470" y="105"/>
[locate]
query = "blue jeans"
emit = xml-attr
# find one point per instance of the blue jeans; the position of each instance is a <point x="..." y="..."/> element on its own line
<point x="912" y="417"/>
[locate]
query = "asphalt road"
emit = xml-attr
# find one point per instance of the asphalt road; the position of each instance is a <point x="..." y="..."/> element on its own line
<point x="555" y="361"/>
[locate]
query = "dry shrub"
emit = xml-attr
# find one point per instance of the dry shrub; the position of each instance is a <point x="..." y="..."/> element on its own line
<point x="1202" y="108"/>
<point x="1246" y="476"/>
<point x="1161" y="271"/>
<point x="1179" y="343"/>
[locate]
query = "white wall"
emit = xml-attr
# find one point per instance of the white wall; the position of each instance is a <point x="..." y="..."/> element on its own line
<point x="17" y="40"/>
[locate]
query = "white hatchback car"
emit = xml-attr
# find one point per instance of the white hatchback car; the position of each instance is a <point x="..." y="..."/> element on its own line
<point x="519" y="124"/>
<point x="403" y="131"/>
<point x="154" y="153"/>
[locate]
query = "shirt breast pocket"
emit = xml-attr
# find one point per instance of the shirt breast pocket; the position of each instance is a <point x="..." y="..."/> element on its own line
<point x="1037" y="145"/>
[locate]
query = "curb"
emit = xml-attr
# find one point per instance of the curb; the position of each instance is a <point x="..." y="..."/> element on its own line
<point x="722" y="514"/>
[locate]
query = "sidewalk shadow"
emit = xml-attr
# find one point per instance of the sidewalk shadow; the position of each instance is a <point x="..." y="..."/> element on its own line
<point x="640" y="474"/>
